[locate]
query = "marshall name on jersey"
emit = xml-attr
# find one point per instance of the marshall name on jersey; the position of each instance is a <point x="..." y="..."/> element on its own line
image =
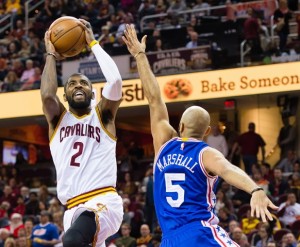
<point x="84" y="155"/>
<point x="183" y="191"/>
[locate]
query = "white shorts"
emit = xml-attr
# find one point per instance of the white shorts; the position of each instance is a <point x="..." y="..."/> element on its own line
<point x="108" y="208"/>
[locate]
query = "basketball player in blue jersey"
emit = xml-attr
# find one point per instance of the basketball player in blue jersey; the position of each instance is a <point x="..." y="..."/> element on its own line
<point x="186" y="169"/>
<point x="83" y="147"/>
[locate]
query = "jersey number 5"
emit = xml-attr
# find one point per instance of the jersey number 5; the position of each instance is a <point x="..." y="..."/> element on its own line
<point x="175" y="188"/>
<point x="78" y="146"/>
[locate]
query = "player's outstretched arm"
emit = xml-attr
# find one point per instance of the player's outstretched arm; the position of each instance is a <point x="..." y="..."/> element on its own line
<point x="52" y="106"/>
<point x="215" y="163"/>
<point x="112" y="91"/>
<point x="160" y="127"/>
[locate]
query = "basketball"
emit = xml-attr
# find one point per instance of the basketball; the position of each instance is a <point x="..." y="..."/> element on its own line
<point x="67" y="36"/>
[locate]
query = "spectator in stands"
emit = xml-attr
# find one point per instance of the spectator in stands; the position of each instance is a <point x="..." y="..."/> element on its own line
<point x="250" y="142"/>
<point x="222" y="202"/>
<point x="286" y="164"/>
<point x="24" y="191"/>
<point x="10" y="242"/>
<point x="146" y="236"/>
<point x="48" y="13"/>
<point x="128" y="186"/>
<point x="9" y="196"/>
<point x="28" y="72"/>
<point x="252" y="32"/>
<point x="263" y="236"/>
<point x="176" y="6"/>
<point x="4" y="208"/>
<point x="106" y="38"/>
<point x="239" y="198"/>
<point x="13" y="49"/>
<point x="128" y="214"/>
<point x="286" y="138"/>
<point x="249" y="223"/>
<point x="13" y="7"/>
<point x="240" y="238"/>
<point x="22" y="242"/>
<point x="225" y="216"/>
<point x="25" y="51"/>
<point x="32" y="82"/>
<point x="15" y="225"/>
<point x="105" y="11"/>
<point x="200" y="4"/>
<point x="20" y="208"/>
<point x="11" y="82"/>
<point x="19" y="31"/>
<point x="90" y="14"/>
<point x="294" y="182"/>
<point x="146" y="8"/>
<point x="32" y="206"/>
<point x="125" y="240"/>
<point x="217" y="140"/>
<point x="278" y="185"/>
<point x="289" y="211"/>
<point x="17" y="67"/>
<point x="282" y="16"/>
<point x="231" y="226"/>
<point x="28" y="226"/>
<point x="193" y="43"/>
<point x="289" y="240"/>
<point x="3" y="68"/>
<point x="4" y="234"/>
<point x="45" y="233"/>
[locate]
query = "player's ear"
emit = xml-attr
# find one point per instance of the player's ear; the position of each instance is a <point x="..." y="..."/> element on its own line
<point x="207" y="131"/>
<point x="181" y="128"/>
<point x="65" y="97"/>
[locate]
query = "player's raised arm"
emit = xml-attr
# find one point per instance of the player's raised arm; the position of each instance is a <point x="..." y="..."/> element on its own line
<point x="52" y="106"/>
<point x="161" y="130"/>
<point x="215" y="163"/>
<point x="112" y="91"/>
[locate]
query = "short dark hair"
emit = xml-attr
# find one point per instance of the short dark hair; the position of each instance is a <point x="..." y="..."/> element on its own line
<point x="74" y="74"/>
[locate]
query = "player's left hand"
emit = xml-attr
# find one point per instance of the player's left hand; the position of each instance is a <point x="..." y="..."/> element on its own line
<point x="89" y="35"/>
<point x="259" y="206"/>
<point x="132" y="42"/>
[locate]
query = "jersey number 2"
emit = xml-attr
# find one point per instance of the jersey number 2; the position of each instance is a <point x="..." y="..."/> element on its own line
<point x="79" y="148"/>
<point x="175" y="188"/>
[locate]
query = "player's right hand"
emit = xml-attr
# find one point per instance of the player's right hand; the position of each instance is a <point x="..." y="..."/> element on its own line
<point x="50" y="47"/>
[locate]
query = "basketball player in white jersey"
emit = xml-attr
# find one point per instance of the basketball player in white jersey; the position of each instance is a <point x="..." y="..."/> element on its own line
<point x="83" y="147"/>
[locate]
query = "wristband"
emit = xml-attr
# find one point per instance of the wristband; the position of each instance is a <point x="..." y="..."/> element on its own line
<point x="256" y="189"/>
<point x="51" y="54"/>
<point x="135" y="56"/>
<point x="94" y="42"/>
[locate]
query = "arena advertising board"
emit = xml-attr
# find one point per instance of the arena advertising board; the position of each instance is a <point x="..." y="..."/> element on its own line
<point x="176" y="88"/>
<point x="179" y="60"/>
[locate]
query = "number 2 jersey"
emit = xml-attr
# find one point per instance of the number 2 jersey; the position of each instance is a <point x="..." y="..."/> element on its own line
<point x="84" y="155"/>
<point x="183" y="190"/>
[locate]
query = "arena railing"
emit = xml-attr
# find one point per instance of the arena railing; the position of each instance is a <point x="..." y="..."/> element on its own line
<point x="28" y="9"/>
<point x="7" y="22"/>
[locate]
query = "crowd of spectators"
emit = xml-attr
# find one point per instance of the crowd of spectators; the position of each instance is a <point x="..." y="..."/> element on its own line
<point x="25" y="207"/>
<point x="22" y="49"/>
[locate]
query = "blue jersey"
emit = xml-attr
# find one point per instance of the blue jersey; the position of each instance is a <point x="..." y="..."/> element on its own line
<point x="48" y="232"/>
<point x="183" y="191"/>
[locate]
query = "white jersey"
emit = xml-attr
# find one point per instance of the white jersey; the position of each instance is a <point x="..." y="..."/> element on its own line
<point x="84" y="155"/>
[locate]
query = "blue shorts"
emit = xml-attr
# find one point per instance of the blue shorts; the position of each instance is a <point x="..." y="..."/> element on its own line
<point x="198" y="234"/>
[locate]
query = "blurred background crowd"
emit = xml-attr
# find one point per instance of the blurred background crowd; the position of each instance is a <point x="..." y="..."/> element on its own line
<point x="30" y="213"/>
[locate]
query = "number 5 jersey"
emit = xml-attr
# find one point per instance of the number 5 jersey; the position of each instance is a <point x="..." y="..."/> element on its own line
<point x="184" y="191"/>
